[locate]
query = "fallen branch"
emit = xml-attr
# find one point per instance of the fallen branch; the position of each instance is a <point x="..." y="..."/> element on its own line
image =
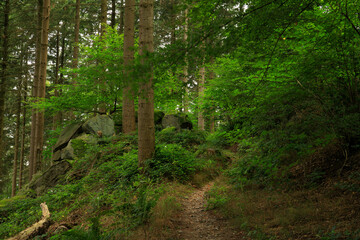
<point x="37" y="228"/>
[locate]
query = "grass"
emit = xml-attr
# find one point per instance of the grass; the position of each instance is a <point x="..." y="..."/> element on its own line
<point x="297" y="214"/>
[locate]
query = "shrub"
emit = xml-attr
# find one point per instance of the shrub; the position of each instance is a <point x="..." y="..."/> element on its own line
<point x="186" y="138"/>
<point x="171" y="161"/>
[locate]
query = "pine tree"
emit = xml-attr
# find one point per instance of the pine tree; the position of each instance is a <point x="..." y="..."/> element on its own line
<point x="146" y="128"/>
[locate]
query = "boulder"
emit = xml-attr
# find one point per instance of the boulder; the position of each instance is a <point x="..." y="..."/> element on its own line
<point x="68" y="152"/>
<point x="50" y="177"/>
<point x="101" y="125"/>
<point x="178" y="121"/>
<point x="56" y="156"/>
<point x="69" y="132"/>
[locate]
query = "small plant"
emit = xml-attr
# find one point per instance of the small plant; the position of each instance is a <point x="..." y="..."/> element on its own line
<point x="216" y="197"/>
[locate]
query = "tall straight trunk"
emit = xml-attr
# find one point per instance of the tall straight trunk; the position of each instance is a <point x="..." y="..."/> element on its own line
<point x="3" y="82"/>
<point x="146" y="128"/>
<point x="121" y="26"/>
<point x="56" y="81"/>
<point x="103" y="16"/>
<point x="16" y="144"/>
<point x="173" y="22"/>
<point x="201" y="88"/>
<point x="42" y="83"/>
<point x="212" y="112"/>
<point x="128" y="112"/>
<point x="113" y="13"/>
<point x="186" y="67"/>
<point x="75" y="61"/>
<point x="23" y="133"/>
<point x="35" y="86"/>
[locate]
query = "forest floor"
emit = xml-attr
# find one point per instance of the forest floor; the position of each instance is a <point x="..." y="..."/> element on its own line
<point x="195" y="222"/>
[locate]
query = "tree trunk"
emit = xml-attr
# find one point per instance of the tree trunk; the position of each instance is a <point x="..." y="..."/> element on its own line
<point x="42" y="84"/>
<point x="121" y="27"/>
<point x="146" y="128"/>
<point x="3" y="82"/>
<point x="173" y="22"/>
<point x="16" y="144"/>
<point x="186" y="67"/>
<point x="201" y="88"/>
<point x="56" y="81"/>
<point x="23" y="133"/>
<point x="77" y="31"/>
<point x="212" y="111"/>
<point x="103" y="16"/>
<point x="128" y="112"/>
<point x="113" y="13"/>
<point x="32" y="157"/>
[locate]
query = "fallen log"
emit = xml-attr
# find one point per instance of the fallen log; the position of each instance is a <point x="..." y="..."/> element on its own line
<point x="37" y="228"/>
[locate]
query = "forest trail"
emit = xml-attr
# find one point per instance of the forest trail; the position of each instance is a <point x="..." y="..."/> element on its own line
<point x="195" y="223"/>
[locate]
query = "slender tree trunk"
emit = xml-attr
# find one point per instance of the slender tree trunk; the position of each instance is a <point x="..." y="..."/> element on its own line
<point x="212" y="113"/>
<point x="75" y="61"/>
<point x="201" y="86"/>
<point x="3" y="82"/>
<point x="16" y="144"/>
<point x="103" y="16"/>
<point x="113" y="13"/>
<point x="128" y="112"/>
<point x="32" y="157"/>
<point x="42" y="83"/>
<point x="146" y="128"/>
<point x="121" y="26"/>
<point x="23" y="133"/>
<point x="56" y="81"/>
<point x="173" y="22"/>
<point x="186" y="67"/>
<point x="103" y="19"/>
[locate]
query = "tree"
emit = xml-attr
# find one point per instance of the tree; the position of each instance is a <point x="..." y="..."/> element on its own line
<point x="146" y="128"/>
<point x="3" y="80"/>
<point x="35" y="86"/>
<point x="40" y="123"/>
<point x="128" y="108"/>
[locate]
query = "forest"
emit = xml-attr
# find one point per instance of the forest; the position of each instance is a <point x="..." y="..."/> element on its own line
<point x="180" y="119"/>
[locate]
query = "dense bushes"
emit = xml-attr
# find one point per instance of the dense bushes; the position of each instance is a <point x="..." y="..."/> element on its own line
<point x="173" y="162"/>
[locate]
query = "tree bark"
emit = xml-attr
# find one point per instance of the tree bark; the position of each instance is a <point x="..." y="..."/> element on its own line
<point x="37" y="228"/>
<point x="201" y="88"/>
<point x="42" y="84"/>
<point x="3" y="81"/>
<point x="32" y="157"/>
<point x="56" y="81"/>
<point x="77" y="33"/>
<point x="186" y="67"/>
<point x="23" y="133"/>
<point x="103" y="19"/>
<point x="103" y="16"/>
<point x="121" y="26"/>
<point x="212" y="111"/>
<point x="146" y="128"/>
<point x="16" y="144"/>
<point x="113" y="13"/>
<point x="128" y="112"/>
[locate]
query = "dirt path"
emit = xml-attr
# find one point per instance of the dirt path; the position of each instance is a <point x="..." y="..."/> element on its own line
<point x="195" y="222"/>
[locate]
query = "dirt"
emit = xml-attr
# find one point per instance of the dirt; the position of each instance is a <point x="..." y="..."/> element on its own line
<point x="195" y="222"/>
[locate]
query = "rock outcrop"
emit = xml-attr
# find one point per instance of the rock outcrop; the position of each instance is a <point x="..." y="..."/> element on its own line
<point x="178" y="121"/>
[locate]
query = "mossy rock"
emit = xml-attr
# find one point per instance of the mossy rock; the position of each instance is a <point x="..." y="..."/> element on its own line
<point x="50" y="178"/>
<point x="82" y="143"/>
<point x="178" y="121"/>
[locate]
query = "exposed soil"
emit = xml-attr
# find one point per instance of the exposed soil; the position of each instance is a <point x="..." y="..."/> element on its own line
<point x="194" y="222"/>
